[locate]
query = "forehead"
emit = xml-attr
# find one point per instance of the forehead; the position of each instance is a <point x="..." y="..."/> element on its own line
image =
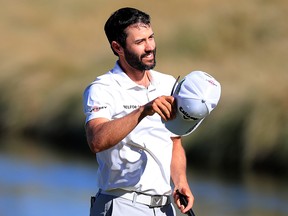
<point x="138" y="30"/>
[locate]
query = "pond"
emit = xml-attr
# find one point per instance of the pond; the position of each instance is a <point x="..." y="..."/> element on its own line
<point x="54" y="186"/>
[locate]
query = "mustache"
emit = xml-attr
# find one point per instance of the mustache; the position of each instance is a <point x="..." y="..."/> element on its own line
<point x="148" y="53"/>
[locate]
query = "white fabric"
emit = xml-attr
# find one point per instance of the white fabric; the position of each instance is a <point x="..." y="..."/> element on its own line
<point x="105" y="205"/>
<point x="145" y="199"/>
<point x="196" y="95"/>
<point x="126" y="166"/>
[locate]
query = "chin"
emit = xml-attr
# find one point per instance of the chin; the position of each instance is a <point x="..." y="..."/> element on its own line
<point x="150" y="65"/>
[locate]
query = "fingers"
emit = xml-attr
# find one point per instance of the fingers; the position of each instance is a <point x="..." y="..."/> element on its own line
<point x="190" y="204"/>
<point x="164" y="107"/>
<point x="190" y="200"/>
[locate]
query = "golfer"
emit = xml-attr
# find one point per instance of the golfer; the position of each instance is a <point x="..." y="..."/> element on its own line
<point x="126" y="110"/>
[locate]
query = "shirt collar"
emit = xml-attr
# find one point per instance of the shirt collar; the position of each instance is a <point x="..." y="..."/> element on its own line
<point x="124" y="81"/>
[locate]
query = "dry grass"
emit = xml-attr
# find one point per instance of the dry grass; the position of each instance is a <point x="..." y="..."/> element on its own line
<point x="50" y="50"/>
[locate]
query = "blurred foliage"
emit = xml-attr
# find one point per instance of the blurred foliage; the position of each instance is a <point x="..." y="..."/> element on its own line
<point x="51" y="50"/>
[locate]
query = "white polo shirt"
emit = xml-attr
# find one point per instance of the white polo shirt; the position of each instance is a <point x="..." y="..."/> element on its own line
<point x="129" y="165"/>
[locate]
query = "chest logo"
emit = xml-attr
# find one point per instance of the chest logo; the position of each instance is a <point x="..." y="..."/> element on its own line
<point x="131" y="106"/>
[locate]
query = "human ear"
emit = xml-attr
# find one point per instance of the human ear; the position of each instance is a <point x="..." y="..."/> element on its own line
<point x="116" y="47"/>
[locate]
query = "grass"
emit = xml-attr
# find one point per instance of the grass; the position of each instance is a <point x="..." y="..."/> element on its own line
<point x="50" y="51"/>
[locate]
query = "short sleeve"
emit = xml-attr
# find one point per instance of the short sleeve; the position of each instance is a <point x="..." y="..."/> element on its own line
<point x="97" y="102"/>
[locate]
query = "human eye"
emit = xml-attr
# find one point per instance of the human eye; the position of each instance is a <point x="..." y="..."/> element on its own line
<point x="140" y="41"/>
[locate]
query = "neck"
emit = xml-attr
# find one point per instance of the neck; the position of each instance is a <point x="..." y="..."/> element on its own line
<point x="140" y="77"/>
<point x="145" y="81"/>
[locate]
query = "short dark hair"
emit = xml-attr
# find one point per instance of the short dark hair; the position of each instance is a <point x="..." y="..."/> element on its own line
<point x="117" y="23"/>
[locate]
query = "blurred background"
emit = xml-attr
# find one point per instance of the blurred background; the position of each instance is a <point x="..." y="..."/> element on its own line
<point x="51" y="50"/>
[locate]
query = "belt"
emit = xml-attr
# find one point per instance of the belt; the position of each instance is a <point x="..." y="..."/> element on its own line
<point x="149" y="200"/>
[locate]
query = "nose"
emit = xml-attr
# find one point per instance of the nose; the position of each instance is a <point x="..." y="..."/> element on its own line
<point x="150" y="45"/>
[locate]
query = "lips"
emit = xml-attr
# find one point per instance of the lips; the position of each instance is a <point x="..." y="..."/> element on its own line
<point x="148" y="56"/>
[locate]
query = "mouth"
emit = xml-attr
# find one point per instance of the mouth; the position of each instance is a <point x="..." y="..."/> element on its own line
<point x="149" y="56"/>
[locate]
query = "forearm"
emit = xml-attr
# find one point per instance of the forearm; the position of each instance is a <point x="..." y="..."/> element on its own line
<point x="178" y="164"/>
<point x="104" y="134"/>
<point x="179" y="177"/>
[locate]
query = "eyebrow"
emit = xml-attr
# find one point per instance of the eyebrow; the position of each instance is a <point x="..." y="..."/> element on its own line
<point x="142" y="39"/>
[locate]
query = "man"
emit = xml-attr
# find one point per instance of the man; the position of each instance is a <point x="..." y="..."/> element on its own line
<point x="124" y="110"/>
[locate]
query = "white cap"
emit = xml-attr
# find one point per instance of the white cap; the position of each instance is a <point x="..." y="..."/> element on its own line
<point x="196" y="96"/>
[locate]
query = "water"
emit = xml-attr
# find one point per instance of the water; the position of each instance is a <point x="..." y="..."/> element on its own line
<point x="46" y="188"/>
<point x="251" y="196"/>
<point x="63" y="187"/>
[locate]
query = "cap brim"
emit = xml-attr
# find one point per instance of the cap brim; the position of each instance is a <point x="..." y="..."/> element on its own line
<point x="180" y="127"/>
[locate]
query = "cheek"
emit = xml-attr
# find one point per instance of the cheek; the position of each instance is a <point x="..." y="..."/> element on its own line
<point x="137" y="51"/>
<point x="153" y="44"/>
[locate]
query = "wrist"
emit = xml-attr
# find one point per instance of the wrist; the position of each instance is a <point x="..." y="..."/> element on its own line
<point x="142" y="113"/>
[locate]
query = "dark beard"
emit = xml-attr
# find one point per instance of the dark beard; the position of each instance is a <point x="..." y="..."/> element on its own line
<point x="136" y="62"/>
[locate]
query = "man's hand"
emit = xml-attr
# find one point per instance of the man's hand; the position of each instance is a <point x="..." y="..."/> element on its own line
<point x="163" y="105"/>
<point x="183" y="207"/>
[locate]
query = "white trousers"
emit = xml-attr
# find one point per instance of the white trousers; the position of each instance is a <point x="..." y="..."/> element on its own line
<point x="107" y="205"/>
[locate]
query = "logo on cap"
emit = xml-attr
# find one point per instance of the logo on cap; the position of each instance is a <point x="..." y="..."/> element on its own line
<point x="186" y="115"/>
<point x="212" y="82"/>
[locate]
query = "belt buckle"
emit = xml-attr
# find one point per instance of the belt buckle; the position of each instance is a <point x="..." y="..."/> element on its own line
<point x="156" y="201"/>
